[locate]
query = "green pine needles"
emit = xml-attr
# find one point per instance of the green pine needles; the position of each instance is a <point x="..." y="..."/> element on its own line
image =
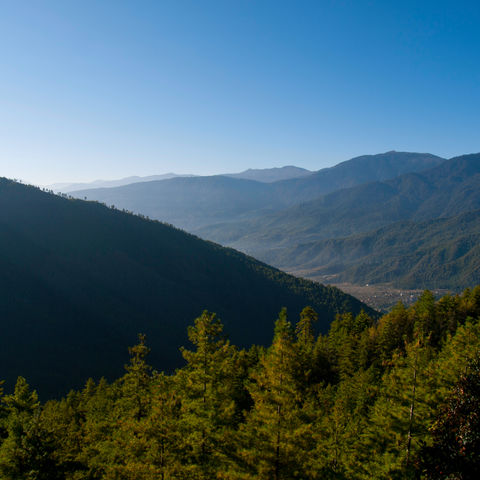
<point x="393" y="398"/>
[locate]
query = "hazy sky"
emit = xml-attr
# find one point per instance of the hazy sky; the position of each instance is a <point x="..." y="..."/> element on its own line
<point x="107" y="89"/>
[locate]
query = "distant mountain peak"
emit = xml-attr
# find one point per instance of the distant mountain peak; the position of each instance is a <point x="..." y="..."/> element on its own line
<point x="270" y="175"/>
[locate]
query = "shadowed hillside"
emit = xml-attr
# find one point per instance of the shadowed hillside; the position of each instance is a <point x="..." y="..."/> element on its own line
<point x="80" y="280"/>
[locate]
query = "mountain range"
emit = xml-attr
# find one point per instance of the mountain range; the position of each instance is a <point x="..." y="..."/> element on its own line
<point x="193" y="203"/>
<point x="266" y="175"/>
<point x="70" y="187"/>
<point x="79" y="281"/>
<point x="294" y="223"/>
<point x="289" y="238"/>
<point x="448" y="189"/>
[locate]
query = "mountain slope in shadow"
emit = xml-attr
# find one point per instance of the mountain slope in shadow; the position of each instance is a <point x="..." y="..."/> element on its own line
<point x="80" y="280"/>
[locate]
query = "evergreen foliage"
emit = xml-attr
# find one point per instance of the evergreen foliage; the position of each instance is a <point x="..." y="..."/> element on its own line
<point x="455" y="450"/>
<point x="393" y="398"/>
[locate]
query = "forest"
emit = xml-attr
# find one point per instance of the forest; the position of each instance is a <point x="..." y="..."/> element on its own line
<point x="79" y="280"/>
<point x="394" y="397"/>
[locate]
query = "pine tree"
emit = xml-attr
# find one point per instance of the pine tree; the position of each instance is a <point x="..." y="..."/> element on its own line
<point x="345" y="341"/>
<point x="126" y="449"/>
<point x="393" y="330"/>
<point x="64" y="420"/>
<point x="426" y="323"/>
<point x="278" y="433"/>
<point x="161" y="431"/>
<point x="455" y="450"/>
<point x="402" y="413"/>
<point x="137" y="382"/>
<point x="27" y="451"/>
<point x="458" y="352"/>
<point x="98" y="452"/>
<point x="208" y="408"/>
<point x="305" y="347"/>
<point x="342" y="420"/>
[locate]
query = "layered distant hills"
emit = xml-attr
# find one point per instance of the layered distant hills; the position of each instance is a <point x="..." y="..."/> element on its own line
<point x="70" y="187"/>
<point x="450" y="188"/>
<point x="80" y="280"/>
<point x="305" y="224"/>
<point x="192" y="203"/>
<point x="323" y="235"/>
<point x="266" y="175"/>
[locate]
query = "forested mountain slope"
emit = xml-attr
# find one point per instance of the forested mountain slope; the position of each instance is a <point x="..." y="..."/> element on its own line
<point x="392" y="398"/>
<point x="197" y="202"/>
<point x="440" y="253"/>
<point x="449" y="189"/>
<point x="78" y="281"/>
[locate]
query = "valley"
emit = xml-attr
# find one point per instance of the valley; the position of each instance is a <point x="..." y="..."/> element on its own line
<point x="381" y="297"/>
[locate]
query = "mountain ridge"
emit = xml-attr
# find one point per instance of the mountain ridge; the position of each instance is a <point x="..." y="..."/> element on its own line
<point x="67" y="187"/>
<point x="415" y="195"/>
<point x="270" y="175"/>
<point x="177" y="201"/>
<point x="81" y="280"/>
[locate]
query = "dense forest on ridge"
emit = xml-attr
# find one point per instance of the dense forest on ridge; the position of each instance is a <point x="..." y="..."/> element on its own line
<point x="395" y="398"/>
<point x="80" y="280"/>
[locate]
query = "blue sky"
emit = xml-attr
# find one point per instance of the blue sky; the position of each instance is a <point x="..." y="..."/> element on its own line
<point x="107" y="89"/>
